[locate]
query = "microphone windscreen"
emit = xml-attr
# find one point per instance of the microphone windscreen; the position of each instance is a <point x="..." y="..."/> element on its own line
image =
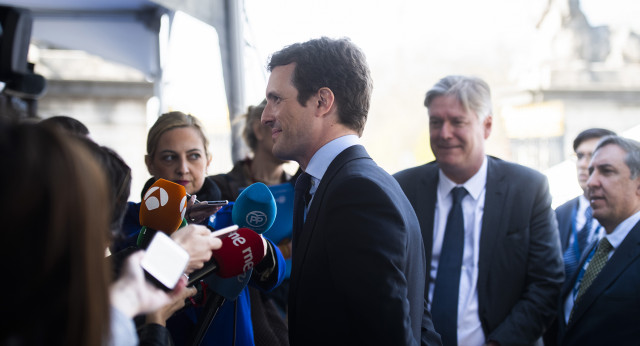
<point x="163" y="206"/>
<point x="241" y="250"/>
<point x="229" y="288"/>
<point x="255" y="208"/>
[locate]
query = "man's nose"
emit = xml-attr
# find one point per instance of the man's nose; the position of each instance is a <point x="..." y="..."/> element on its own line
<point x="266" y="118"/>
<point x="446" y="131"/>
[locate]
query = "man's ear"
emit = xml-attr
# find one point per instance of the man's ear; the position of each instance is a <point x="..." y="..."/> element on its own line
<point x="486" y="124"/>
<point x="325" y="100"/>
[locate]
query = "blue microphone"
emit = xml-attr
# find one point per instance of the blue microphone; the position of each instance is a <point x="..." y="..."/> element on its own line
<point x="255" y="208"/>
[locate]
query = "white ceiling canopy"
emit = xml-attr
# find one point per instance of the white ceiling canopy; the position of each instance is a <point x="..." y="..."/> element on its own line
<point x="126" y="31"/>
<point x="123" y="31"/>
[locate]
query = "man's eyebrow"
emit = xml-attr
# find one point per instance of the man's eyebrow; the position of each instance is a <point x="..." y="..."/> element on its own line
<point x="600" y="166"/>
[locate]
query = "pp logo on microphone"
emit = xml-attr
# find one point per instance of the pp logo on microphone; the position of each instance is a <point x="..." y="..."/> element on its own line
<point x="256" y="219"/>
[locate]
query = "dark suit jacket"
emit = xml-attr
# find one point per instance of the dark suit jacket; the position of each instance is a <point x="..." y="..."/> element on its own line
<point x="564" y="215"/>
<point x="520" y="263"/>
<point x="358" y="265"/>
<point x="609" y="311"/>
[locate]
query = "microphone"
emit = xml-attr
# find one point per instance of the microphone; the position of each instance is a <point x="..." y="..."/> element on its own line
<point x="231" y="265"/>
<point x="162" y="209"/>
<point x="255" y="208"/>
<point x="241" y="250"/>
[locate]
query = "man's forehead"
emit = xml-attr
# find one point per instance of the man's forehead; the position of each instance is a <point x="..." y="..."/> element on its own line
<point x="609" y="154"/>
<point x="281" y="77"/>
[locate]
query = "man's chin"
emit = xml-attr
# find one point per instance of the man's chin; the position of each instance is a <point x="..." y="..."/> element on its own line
<point x="284" y="156"/>
<point x="451" y="161"/>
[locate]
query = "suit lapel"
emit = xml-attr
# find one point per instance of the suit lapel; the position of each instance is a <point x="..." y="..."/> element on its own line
<point x="300" y="250"/>
<point x="628" y="251"/>
<point x="425" y="207"/>
<point x="569" y="283"/>
<point x="567" y="222"/>
<point x="492" y="222"/>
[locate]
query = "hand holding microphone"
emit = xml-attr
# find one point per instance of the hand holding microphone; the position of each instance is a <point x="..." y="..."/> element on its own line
<point x="161" y="315"/>
<point x="240" y="251"/>
<point x="199" y="243"/>
<point x="255" y="209"/>
<point x="200" y="211"/>
<point x="228" y="272"/>
<point x="132" y="294"/>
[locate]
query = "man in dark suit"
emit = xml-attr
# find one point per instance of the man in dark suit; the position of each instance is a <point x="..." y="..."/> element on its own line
<point x="576" y="225"/>
<point x="505" y="284"/>
<point x="600" y="303"/>
<point x="358" y="259"/>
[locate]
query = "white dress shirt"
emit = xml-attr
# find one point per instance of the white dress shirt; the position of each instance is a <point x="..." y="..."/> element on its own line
<point x="469" y="326"/>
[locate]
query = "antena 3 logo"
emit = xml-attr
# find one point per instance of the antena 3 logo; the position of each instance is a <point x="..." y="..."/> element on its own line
<point x="153" y="200"/>
<point x="256" y="219"/>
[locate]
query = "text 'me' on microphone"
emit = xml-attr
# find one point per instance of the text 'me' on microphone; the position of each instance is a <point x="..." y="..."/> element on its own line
<point x="241" y="250"/>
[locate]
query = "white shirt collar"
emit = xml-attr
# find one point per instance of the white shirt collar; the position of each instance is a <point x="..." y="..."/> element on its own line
<point x="474" y="185"/>
<point x="327" y="153"/>
<point x="620" y="232"/>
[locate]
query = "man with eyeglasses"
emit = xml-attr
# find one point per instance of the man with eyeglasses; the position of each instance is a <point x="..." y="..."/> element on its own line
<point x="576" y="225"/>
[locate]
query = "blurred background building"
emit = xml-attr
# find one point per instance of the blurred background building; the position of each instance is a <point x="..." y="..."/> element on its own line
<point x="555" y="67"/>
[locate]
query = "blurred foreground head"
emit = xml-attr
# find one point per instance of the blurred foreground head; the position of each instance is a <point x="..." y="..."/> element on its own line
<point x="56" y="212"/>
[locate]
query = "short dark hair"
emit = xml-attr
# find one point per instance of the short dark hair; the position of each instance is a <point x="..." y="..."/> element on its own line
<point x="591" y="134"/>
<point x="337" y="64"/>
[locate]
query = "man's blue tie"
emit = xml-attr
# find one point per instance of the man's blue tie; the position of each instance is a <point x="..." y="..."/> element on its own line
<point x="571" y="256"/>
<point x="583" y="235"/>
<point x="444" y="307"/>
<point x="300" y="200"/>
